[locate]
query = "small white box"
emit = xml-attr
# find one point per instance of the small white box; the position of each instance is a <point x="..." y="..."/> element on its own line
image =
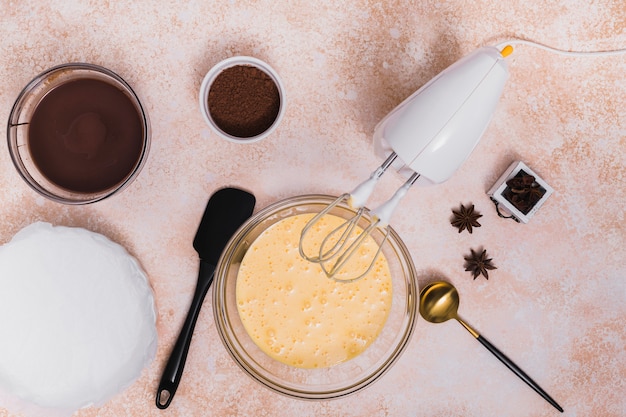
<point x="522" y="201"/>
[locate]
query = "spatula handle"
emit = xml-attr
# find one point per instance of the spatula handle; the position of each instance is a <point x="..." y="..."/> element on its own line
<point x="513" y="367"/>
<point x="174" y="369"/>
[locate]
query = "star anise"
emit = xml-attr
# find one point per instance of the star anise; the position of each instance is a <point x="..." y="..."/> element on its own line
<point x="466" y="218"/>
<point x="479" y="264"/>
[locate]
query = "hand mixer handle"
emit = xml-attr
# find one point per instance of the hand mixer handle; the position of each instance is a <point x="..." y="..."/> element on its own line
<point x="435" y="129"/>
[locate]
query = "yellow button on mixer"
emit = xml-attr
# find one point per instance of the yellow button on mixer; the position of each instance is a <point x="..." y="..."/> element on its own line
<point x="506" y="51"/>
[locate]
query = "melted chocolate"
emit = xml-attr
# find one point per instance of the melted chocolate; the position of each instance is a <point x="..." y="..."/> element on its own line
<point x="86" y="136"/>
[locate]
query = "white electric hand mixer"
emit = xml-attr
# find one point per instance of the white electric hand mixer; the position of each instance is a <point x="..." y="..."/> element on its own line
<point x="427" y="137"/>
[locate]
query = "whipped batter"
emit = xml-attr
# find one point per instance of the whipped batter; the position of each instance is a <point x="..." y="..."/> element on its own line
<point x="295" y="313"/>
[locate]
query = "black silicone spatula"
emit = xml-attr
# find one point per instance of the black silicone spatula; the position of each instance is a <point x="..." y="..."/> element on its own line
<point x="226" y="211"/>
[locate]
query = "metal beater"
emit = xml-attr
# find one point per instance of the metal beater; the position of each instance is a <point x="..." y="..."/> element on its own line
<point x="338" y="247"/>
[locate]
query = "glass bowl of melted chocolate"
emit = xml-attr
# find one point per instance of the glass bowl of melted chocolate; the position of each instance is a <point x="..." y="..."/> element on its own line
<point x="78" y="133"/>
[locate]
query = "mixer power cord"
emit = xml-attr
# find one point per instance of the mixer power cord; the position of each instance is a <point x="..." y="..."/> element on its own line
<point x="514" y="42"/>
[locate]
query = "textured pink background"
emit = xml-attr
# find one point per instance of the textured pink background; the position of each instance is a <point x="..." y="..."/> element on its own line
<point x="555" y="304"/>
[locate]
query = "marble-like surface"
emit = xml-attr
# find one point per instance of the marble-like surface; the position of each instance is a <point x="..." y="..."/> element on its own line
<point x="555" y="304"/>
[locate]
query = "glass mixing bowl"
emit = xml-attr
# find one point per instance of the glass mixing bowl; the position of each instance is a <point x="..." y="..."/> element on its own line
<point x="319" y="383"/>
<point x="98" y="142"/>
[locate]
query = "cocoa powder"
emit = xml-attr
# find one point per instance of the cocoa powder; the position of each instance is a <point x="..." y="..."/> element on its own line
<point x="243" y="101"/>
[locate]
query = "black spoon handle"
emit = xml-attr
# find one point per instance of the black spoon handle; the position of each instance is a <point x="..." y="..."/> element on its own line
<point x="175" y="365"/>
<point x="509" y="363"/>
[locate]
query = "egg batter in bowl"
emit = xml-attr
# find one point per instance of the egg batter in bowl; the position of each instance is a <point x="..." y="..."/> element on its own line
<point x="294" y="330"/>
<point x="294" y="312"/>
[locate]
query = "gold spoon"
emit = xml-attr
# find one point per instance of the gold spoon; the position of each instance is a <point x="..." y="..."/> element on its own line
<point x="439" y="302"/>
